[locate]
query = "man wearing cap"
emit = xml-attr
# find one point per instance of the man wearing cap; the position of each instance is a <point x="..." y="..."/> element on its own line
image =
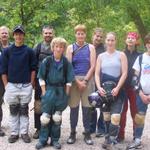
<point x="18" y="74"/>
<point x="4" y="42"/>
<point x="42" y="50"/>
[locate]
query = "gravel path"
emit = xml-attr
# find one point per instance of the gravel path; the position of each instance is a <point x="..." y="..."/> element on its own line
<point x="79" y="145"/>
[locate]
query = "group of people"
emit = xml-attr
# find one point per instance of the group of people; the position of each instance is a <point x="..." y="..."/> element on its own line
<point x="62" y="79"/>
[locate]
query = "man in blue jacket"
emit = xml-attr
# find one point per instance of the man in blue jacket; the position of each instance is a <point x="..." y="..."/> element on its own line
<point x="18" y="73"/>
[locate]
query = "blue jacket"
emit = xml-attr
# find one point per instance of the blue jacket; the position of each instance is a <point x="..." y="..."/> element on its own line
<point x="18" y="63"/>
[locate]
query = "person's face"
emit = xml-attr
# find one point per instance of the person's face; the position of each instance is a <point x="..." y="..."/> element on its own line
<point x="18" y="37"/>
<point x="4" y="34"/>
<point x="98" y="38"/>
<point x="110" y="41"/>
<point x="48" y="35"/>
<point x="131" y="41"/>
<point x="80" y="36"/>
<point x="148" y="46"/>
<point x="58" y="50"/>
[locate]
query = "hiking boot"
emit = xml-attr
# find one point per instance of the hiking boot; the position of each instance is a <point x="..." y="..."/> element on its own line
<point x="72" y="138"/>
<point x="36" y="134"/>
<point x="87" y="138"/>
<point x="25" y="138"/>
<point x="99" y="134"/>
<point x="39" y="145"/>
<point x="13" y="138"/>
<point x="105" y="144"/>
<point x="119" y="140"/>
<point x="2" y="133"/>
<point x="56" y="144"/>
<point x="136" y="144"/>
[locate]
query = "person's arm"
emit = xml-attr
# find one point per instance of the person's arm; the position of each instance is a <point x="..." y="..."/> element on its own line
<point x="69" y="53"/>
<point x="92" y="63"/>
<point x="33" y="64"/>
<point x="4" y="79"/>
<point x="4" y="68"/>
<point x="42" y="85"/>
<point x="97" y="76"/>
<point x="124" y="70"/>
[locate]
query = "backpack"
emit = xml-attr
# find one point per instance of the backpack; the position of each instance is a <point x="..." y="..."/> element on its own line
<point x="140" y="63"/>
<point x="65" y="66"/>
<point x="136" y="78"/>
<point x="39" y="51"/>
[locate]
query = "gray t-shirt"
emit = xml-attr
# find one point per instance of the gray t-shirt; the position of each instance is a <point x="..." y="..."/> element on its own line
<point x="111" y="63"/>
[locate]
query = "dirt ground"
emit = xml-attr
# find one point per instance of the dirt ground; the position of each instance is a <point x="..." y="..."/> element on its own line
<point x="79" y="145"/>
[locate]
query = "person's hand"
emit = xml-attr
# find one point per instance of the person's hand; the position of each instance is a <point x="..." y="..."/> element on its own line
<point x="101" y="91"/>
<point x="145" y="98"/>
<point x="43" y="93"/>
<point x="115" y="91"/>
<point x="81" y="85"/>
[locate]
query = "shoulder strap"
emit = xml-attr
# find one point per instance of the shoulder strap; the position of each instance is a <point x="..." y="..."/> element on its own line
<point x="65" y="67"/>
<point x="140" y="63"/>
<point x="38" y="49"/>
<point x="77" y="50"/>
<point x="48" y="63"/>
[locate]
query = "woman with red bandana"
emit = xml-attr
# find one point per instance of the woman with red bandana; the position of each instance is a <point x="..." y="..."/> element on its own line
<point x="132" y="41"/>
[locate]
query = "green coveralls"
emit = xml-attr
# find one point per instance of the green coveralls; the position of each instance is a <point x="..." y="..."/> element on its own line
<point x="55" y="98"/>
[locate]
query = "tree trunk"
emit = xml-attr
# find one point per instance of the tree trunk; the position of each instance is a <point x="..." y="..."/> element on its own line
<point x="135" y="16"/>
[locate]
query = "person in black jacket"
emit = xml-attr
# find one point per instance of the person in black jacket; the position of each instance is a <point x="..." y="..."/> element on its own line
<point x="18" y="74"/>
<point x="132" y="42"/>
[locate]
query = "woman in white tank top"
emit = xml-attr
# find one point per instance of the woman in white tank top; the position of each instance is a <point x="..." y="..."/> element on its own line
<point x="111" y="66"/>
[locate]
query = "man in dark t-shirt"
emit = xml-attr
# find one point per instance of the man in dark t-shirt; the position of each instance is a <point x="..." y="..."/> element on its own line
<point x="42" y="50"/>
<point x="97" y="125"/>
<point x="4" y="42"/>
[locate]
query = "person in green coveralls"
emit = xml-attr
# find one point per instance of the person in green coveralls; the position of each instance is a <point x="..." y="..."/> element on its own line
<point x="55" y="78"/>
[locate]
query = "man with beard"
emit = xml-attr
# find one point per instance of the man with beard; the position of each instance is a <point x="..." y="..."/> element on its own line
<point x="42" y="50"/>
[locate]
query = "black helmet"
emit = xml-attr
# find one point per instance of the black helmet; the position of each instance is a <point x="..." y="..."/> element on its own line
<point x="108" y="86"/>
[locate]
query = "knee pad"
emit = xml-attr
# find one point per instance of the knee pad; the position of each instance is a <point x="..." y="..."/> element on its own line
<point x="106" y="116"/>
<point x="115" y="119"/>
<point x="140" y="119"/>
<point x="24" y="109"/>
<point x="57" y="117"/>
<point x="45" y="119"/>
<point x="14" y="109"/>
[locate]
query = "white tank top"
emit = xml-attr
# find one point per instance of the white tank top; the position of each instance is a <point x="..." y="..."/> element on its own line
<point x="111" y="63"/>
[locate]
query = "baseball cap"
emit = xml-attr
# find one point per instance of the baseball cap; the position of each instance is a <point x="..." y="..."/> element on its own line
<point x="19" y="28"/>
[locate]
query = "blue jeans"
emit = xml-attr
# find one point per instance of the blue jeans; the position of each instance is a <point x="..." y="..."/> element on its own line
<point x="141" y="108"/>
<point x="97" y="123"/>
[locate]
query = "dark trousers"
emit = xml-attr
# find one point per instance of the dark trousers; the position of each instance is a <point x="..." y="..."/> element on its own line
<point x="1" y="98"/>
<point x="37" y="122"/>
<point x="115" y="107"/>
<point x="131" y="98"/>
<point x="97" y="124"/>
<point x="74" y="114"/>
<point x="51" y="130"/>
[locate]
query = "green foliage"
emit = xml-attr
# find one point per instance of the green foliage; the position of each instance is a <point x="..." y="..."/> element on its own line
<point x="119" y="16"/>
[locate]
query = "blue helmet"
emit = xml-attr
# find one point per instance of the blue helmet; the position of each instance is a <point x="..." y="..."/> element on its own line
<point x="95" y="99"/>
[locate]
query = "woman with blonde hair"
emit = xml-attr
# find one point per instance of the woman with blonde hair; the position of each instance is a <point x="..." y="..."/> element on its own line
<point x="110" y="74"/>
<point x="55" y="77"/>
